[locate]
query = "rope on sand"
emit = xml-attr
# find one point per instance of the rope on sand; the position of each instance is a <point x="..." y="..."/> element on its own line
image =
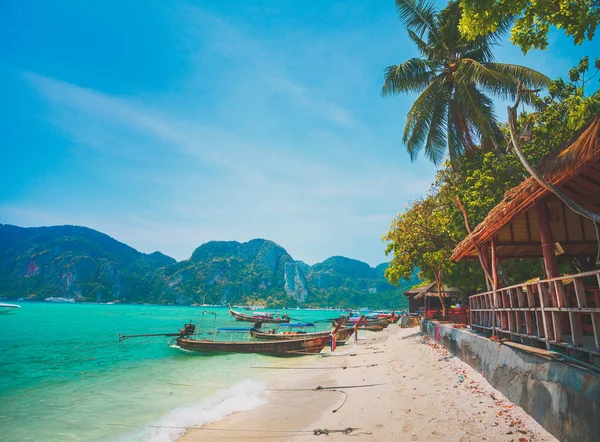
<point x="315" y="368"/>
<point x="327" y="355"/>
<point x="315" y="432"/>
<point x="319" y="388"/>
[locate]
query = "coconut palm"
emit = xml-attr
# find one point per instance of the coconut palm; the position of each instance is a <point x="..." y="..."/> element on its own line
<point x="454" y="77"/>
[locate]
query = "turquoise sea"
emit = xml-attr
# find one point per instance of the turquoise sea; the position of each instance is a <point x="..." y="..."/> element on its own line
<point x="64" y="375"/>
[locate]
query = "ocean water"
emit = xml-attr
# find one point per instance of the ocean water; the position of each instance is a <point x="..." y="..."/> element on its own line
<point x="64" y="375"/>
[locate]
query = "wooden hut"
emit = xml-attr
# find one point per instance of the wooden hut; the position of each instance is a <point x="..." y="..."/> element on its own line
<point x="426" y="298"/>
<point x="532" y="222"/>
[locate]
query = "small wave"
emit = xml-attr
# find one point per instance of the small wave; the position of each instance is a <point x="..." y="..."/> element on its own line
<point x="243" y="396"/>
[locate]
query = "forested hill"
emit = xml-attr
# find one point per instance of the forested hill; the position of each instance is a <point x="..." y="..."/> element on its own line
<point x="84" y="264"/>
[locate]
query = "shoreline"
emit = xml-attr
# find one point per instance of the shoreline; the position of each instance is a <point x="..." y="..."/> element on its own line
<point x="427" y="394"/>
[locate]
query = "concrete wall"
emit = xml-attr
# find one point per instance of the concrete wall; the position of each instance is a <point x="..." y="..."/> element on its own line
<point x="564" y="399"/>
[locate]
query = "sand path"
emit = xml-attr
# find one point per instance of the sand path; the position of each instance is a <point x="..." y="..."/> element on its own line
<point x="427" y="395"/>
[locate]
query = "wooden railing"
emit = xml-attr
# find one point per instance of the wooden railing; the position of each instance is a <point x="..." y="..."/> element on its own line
<point x="561" y="311"/>
<point x="453" y="315"/>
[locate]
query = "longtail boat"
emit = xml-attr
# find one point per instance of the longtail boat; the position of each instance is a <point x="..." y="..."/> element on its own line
<point x="341" y="335"/>
<point x="371" y="326"/>
<point x="392" y="317"/>
<point x="264" y="317"/>
<point x="287" y="347"/>
<point x="374" y="322"/>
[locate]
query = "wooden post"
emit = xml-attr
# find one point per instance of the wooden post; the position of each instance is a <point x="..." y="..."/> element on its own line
<point x="550" y="263"/>
<point x="495" y="284"/>
<point x="528" y="314"/>
<point x="547" y="241"/>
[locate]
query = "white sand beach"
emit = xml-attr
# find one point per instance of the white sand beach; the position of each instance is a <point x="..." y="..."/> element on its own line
<point x="423" y="393"/>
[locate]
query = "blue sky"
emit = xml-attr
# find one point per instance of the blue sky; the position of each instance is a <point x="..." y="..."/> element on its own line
<point x="168" y="124"/>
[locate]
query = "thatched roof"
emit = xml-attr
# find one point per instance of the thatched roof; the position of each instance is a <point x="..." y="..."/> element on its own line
<point x="430" y="290"/>
<point x="580" y="157"/>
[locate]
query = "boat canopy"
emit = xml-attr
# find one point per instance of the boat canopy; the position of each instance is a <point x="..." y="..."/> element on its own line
<point x="234" y="329"/>
<point x="298" y="324"/>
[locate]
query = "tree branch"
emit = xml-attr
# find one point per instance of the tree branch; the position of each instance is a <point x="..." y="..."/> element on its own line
<point x="488" y="278"/>
<point x="575" y="207"/>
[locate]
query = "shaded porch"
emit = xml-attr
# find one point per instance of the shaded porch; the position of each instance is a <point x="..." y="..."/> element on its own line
<point x="425" y="301"/>
<point x="557" y="311"/>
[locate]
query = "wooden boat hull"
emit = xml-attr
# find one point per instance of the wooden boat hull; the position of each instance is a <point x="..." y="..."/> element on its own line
<point x="375" y="324"/>
<point x="248" y="318"/>
<point x="341" y="336"/>
<point x="370" y="327"/>
<point x="291" y="347"/>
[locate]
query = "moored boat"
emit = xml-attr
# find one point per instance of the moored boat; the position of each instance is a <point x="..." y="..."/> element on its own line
<point x="371" y="322"/>
<point x="6" y="307"/>
<point x="367" y="325"/>
<point x="341" y="335"/>
<point x="286" y="347"/>
<point x="256" y="317"/>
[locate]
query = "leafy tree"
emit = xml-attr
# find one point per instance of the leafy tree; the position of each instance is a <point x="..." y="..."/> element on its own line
<point x="421" y="237"/>
<point x="577" y="18"/>
<point x="481" y="180"/>
<point x="453" y="76"/>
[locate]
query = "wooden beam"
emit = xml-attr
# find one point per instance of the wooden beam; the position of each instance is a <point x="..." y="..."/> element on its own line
<point x="596" y="327"/>
<point x="580" y="197"/>
<point x="543" y="294"/>
<point x="564" y="215"/>
<point x="547" y="241"/>
<point x="529" y="315"/>
<point x="592" y="177"/>
<point x="579" y="293"/>
<point x="494" y="265"/>
<point x="586" y="184"/>
<point x="537" y="244"/>
<point x="528" y="227"/>
<point x="576" y="327"/>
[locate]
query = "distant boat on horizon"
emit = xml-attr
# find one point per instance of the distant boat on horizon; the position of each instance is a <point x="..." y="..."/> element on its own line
<point x="53" y="299"/>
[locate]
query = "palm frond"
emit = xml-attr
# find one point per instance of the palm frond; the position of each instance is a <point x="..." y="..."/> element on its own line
<point x="418" y="16"/>
<point x="529" y="77"/>
<point x="422" y="46"/>
<point x="453" y="137"/>
<point x="436" y="142"/>
<point x="478" y="110"/>
<point x="480" y="52"/>
<point x="449" y="19"/>
<point x="411" y="76"/>
<point x="500" y="84"/>
<point x="420" y="116"/>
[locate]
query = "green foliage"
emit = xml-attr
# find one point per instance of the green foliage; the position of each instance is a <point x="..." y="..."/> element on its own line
<point x="420" y="238"/>
<point x="532" y="19"/>
<point x="480" y="180"/>
<point x="345" y="282"/>
<point x="454" y="77"/>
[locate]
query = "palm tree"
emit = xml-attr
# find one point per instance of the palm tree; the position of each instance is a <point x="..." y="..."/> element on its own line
<point x="453" y="76"/>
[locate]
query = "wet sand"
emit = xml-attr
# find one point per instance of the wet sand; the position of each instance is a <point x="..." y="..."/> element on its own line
<point x="426" y="394"/>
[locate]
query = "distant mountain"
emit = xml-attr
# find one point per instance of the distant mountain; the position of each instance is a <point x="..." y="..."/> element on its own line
<point x="81" y="263"/>
<point x="73" y="262"/>
<point x="343" y="281"/>
<point x="254" y="272"/>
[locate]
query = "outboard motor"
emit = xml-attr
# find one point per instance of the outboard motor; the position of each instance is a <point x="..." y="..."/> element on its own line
<point x="188" y="329"/>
